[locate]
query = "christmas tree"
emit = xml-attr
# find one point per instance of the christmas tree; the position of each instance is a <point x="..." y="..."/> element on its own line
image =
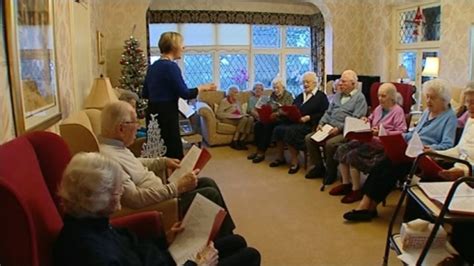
<point x="155" y="145"/>
<point x="134" y="71"/>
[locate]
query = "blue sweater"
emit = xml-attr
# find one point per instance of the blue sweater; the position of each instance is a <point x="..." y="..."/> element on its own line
<point x="164" y="83"/>
<point x="335" y="116"/>
<point x="437" y="133"/>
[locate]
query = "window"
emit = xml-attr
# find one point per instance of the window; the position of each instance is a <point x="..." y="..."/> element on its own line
<point x="240" y="54"/>
<point x="416" y="41"/>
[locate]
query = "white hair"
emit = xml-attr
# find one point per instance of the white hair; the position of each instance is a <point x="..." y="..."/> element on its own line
<point x="469" y="87"/>
<point x="351" y="75"/>
<point x="440" y="87"/>
<point x="258" y="84"/>
<point x="392" y="92"/>
<point x="278" y="80"/>
<point x="112" y="115"/>
<point x="311" y="74"/>
<point x="88" y="183"/>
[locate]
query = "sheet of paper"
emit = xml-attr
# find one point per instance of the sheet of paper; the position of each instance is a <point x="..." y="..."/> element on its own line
<point x="184" y="108"/>
<point x="352" y="124"/>
<point x="198" y="223"/>
<point x="415" y="146"/>
<point x="322" y="134"/>
<point x="463" y="200"/>
<point x="382" y="131"/>
<point x="187" y="164"/>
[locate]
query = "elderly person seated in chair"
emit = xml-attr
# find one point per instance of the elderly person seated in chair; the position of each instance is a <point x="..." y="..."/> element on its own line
<point x="257" y="93"/>
<point x="356" y="156"/>
<point x="436" y="128"/>
<point x="90" y="191"/>
<point x="143" y="185"/>
<point x="264" y="129"/>
<point x="349" y="102"/>
<point x="230" y="112"/>
<point x="312" y="104"/>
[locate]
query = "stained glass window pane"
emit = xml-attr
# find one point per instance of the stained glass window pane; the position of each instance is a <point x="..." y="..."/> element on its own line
<point x="233" y="70"/>
<point x="298" y="37"/>
<point x="407" y="27"/>
<point x="431" y="29"/>
<point x="296" y="66"/>
<point x="267" y="66"/>
<point x="264" y="36"/>
<point x="198" y="69"/>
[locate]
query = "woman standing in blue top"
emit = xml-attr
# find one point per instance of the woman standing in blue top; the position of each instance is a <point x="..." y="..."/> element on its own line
<point x="163" y="86"/>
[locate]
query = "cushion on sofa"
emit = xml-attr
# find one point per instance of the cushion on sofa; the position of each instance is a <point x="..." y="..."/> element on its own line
<point x="226" y="129"/>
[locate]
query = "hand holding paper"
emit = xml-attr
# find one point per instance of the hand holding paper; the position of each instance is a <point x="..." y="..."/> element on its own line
<point x="322" y="133"/>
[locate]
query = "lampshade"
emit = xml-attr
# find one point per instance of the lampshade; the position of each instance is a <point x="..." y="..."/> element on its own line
<point x="431" y="67"/>
<point x="101" y="94"/>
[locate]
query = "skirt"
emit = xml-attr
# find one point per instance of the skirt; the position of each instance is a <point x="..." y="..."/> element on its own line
<point x="361" y="155"/>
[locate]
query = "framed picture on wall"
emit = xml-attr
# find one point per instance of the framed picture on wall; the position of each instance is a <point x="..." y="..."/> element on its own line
<point x="32" y="64"/>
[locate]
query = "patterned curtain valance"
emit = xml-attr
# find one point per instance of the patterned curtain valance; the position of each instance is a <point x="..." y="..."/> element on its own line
<point x="231" y="17"/>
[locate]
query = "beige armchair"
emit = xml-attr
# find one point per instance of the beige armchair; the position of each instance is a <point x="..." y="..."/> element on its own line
<point x="80" y="131"/>
<point x="213" y="131"/>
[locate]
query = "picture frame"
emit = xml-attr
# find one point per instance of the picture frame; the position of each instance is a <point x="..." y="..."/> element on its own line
<point x="100" y="48"/>
<point x="32" y="64"/>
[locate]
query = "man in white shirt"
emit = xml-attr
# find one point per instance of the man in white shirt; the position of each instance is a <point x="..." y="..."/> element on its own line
<point x="142" y="185"/>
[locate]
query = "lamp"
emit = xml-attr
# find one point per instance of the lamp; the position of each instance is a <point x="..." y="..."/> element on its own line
<point x="402" y="72"/>
<point x="101" y="94"/>
<point x="431" y="67"/>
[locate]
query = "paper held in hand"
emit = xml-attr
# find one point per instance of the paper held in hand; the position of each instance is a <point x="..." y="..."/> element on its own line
<point x="355" y="125"/>
<point x="196" y="158"/>
<point x="322" y="134"/>
<point x="201" y="224"/>
<point x="184" y="108"/>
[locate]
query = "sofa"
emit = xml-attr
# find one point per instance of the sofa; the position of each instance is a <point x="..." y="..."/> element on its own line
<point x="213" y="131"/>
<point x="80" y="131"/>
<point x="30" y="173"/>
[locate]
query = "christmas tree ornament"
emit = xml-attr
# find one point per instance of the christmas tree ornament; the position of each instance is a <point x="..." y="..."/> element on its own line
<point x="155" y="145"/>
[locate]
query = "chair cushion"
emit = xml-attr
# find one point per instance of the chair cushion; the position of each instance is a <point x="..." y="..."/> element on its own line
<point x="227" y="129"/>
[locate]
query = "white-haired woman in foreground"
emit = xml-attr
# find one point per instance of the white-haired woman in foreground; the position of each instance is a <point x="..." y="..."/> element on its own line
<point x="90" y="190"/>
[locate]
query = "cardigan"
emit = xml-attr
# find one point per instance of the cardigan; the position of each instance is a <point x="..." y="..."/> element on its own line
<point x="94" y="242"/>
<point x="336" y="114"/>
<point x="164" y="83"/>
<point x="227" y="110"/>
<point x="393" y="122"/>
<point x="465" y="148"/>
<point x="141" y="186"/>
<point x="437" y="133"/>
<point x="314" y="106"/>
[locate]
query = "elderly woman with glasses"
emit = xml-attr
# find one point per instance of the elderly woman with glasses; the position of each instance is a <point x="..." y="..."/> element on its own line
<point x="90" y="191"/>
<point x="436" y="128"/>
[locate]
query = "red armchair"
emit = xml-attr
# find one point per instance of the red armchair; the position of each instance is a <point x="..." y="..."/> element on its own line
<point x="31" y="167"/>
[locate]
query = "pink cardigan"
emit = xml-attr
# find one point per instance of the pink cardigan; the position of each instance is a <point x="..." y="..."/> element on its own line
<point x="394" y="122"/>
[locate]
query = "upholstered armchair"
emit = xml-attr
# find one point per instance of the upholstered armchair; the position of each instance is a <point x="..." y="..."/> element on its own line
<point x="80" y="131"/>
<point x="213" y="131"/>
<point x="30" y="173"/>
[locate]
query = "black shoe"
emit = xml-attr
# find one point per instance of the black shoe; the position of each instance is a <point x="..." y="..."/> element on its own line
<point x="360" y="215"/>
<point x="294" y="169"/>
<point x="252" y="156"/>
<point x="242" y="145"/>
<point x="234" y="145"/>
<point x="277" y="163"/>
<point x="258" y="158"/>
<point x="316" y="172"/>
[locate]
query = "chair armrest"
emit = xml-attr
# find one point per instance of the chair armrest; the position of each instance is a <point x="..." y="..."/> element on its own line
<point x="168" y="209"/>
<point x="144" y="224"/>
<point x="208" y="120"/>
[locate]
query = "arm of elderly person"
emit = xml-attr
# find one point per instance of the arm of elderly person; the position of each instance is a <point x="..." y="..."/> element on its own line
<point x="150" y="190"/>
<point x="226" y="109"/>
<point x="448" y="134"/>
<point x="323" y="104"/>
<point x="156" y="165"/>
